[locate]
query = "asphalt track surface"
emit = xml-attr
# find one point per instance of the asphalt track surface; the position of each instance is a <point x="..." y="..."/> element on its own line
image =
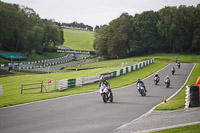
<point x="86" y="113"/>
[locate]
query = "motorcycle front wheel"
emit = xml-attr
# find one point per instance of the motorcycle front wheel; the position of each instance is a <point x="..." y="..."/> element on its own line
<point x="104" y="96"/>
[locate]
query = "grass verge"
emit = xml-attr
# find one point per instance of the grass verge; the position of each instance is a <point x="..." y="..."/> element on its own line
<point x="186" y="129"/>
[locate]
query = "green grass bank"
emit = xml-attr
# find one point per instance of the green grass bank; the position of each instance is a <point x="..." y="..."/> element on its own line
<point x="79" y="39"/>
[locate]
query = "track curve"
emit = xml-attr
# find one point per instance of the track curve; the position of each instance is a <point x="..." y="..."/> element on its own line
<point x="86" y="113"/>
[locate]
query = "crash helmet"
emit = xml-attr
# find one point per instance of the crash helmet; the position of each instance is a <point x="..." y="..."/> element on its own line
<point x="102" y="78"/>
<point x="138" y="80"/>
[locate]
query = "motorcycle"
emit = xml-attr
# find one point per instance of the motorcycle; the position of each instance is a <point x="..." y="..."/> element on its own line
<point x="173" y="71"/>
<point x="106" y="94"/>
<point x="141" y="89"/>
<point x="167" y="82"/>
<point x="179" y="65"/>
<point x="156" y="80"/>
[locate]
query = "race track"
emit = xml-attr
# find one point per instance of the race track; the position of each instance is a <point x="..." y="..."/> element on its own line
<point x="86" y="113"/>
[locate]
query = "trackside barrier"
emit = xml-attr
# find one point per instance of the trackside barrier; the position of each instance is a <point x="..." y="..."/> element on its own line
<point x="70" y="83"/>
<point x="192" y="98"/>
<point x="1" y="90"/>
<point x="34" y="86"/>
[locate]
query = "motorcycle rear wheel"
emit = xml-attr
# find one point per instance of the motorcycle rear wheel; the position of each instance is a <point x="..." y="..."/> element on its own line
<point x="111" y="97"/>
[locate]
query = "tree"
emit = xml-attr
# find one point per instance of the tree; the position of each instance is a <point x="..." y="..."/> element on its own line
<point x="100" y="42"/>
<point x="166" y="27"/>
<point x="119" y="38"/>
<point x="34" y="39"/>
<point x="145" y="34"/>
<point x="96" y="27"/>
<point x="196" y="31"/>
<point x="51" y="35"/>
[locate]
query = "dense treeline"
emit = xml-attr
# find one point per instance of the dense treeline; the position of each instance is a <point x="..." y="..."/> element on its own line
<point x="171" y="29"/>
<point x="22" y="30"/>
<point x="76" y="25"/>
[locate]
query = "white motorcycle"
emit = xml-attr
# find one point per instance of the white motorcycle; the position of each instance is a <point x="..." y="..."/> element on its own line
<point x="156" y="80"/>
<point x="105" y="93"/>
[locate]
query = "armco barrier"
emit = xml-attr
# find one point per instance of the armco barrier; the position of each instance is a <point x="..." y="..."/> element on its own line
<point x="192" y="98"/>
<point x="70" y="83"/>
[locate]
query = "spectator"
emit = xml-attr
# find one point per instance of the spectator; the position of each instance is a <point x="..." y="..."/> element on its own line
<point x="198" y="81"/>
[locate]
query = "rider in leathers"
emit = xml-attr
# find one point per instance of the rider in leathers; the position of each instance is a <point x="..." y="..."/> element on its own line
<point x="140" y="82"/>
<point x="103" y="81"/>
<point x="167" y="77"/>
<point x="156" y="75"/>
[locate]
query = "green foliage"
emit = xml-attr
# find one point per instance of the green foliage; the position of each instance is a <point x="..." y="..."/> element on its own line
<point x="170" y="30"/>
<point x="78" y="39"/>
<point x="113" y="41"/>
<point x="145" y="35"/>
<point x="23" y="31"/>
<point x="76" y="25"/>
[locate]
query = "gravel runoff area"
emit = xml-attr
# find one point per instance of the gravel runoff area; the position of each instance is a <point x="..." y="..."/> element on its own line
<point x="159" y="120"/>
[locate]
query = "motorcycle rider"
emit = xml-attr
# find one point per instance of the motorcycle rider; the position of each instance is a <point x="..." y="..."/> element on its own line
<point x="178" y="64"/>
<point x="156" y="75"/>
<point x="167" y="77"/>
<point x="140" y="82"/>
<point x="176" y="60"/>
<point x="103" y="81"/>
<point x="173" y="69"/>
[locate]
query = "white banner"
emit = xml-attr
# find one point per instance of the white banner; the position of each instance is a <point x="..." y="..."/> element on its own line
<point x="79" y="81"/>
<point x="91" y="79"/>
<point x="63" y="84"/>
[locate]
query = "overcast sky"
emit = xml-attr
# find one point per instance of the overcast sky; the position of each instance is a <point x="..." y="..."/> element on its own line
<point x="95" y="12"/>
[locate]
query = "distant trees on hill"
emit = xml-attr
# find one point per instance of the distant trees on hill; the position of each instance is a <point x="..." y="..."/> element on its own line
<point x="76" y="25"/>
<point x="171" y="29"/>
<point x="22" y="30"/>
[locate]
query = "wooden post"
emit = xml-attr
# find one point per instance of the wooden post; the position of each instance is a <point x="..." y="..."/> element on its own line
<point x="41" y="86"/>
<point x="21" y="88"/>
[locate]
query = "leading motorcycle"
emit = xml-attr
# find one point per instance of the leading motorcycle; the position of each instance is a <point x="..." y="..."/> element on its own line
<point x="106" y="94"/>
<point x="141" y="89"/>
